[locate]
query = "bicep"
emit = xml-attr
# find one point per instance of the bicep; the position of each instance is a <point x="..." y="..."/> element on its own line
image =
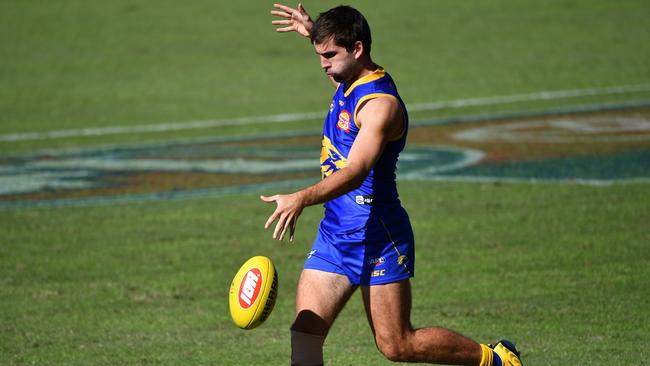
<point x="378" y="119"/>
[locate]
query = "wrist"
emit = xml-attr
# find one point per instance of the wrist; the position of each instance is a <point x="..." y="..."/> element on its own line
<point x="308" y="27"/>
<point x="301" y="198"/>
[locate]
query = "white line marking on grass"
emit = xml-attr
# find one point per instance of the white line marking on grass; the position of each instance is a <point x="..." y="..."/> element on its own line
<point x="511" y="180"/>
<point x="293" y="117"/>
<point x="542" y="95"/>
<point x="158" y="127"/>
<point x="592" y="130"/>
<point x="225" y="166"/>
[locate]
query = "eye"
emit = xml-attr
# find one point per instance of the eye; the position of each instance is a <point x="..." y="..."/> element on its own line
<point x="329" y="55"/>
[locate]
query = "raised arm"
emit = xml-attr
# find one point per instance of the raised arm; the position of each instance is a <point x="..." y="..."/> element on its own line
<point x="295" y="20"/>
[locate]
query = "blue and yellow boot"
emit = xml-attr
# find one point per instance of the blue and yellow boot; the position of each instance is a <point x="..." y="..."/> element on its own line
<point x="503" y="353"/>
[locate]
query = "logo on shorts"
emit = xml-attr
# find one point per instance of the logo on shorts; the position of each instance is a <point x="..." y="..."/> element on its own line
<point x="378" y="261"/>
<point x="344" y="121"/>
<point x="378" y="273"/>
<point x="311" y="253"/>
<point x="402" y="260"/>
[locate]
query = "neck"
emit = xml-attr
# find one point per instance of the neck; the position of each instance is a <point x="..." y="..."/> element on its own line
<point x="366" y="66"/>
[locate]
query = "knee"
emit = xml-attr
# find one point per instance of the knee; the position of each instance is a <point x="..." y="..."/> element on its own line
<point x="394" y="348"/>
<point x="309" y="322"/>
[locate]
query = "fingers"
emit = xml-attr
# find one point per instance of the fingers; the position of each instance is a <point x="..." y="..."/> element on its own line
<point x="285" y="8"/>
<point x="281" y="216"/>
<point x="281" y="14"/>
<point x="286" y="22"/>
<point x="285" y="29"/>
<point x="268" y="199"/>
<point x="286" y="213"/>
<point x="284" y="231"/>
<point x="272" y="218"/>
<point x="280" y="228"/>
<point x="289" y="224"/>
<point x="285" y="222"/>
<point x="292" y="229"/>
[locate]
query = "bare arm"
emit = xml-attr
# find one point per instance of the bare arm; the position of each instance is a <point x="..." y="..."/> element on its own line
<point x="381" y="121"/>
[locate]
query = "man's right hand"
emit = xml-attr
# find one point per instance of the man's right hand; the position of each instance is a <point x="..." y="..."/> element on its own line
<point x="288" y="209"/>
<point x="295" y="20"/>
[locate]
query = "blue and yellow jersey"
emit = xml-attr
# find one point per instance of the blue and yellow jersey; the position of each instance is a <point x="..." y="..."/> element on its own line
<point x="377" y="196"/>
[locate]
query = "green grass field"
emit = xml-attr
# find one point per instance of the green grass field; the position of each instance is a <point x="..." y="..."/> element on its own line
<point x="559" y="267"/>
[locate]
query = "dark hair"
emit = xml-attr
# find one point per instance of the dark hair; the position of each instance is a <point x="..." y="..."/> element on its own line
<point x="346" y="25"/>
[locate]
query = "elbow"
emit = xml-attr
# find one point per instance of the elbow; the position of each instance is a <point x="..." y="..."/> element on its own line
<point x="356" y="183"/>
<point x="357" y="178"/>
<point x="352" y="176"/>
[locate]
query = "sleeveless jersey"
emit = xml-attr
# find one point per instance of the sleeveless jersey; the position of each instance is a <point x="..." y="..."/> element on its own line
<point x="376" y="200"/>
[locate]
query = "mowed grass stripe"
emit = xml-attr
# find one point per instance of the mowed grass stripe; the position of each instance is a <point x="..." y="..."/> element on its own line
<point x="293" y="117"/>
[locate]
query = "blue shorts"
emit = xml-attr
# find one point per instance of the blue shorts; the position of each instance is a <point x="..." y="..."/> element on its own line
<point x="377" y="254"/>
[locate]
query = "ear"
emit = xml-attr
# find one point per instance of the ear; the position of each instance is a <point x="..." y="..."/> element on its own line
<point x="358" y="49"/>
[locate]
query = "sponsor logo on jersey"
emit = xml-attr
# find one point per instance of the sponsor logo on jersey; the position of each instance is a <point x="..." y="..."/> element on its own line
<point x="331" y="106"/>
<point x="378" y="261"/>
<point x="364" y="200"/>
<point x="344" y="121"/>
<point x="250" y="288"/>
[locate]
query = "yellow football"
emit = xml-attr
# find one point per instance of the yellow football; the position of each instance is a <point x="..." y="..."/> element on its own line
<point x="253" y="292"/>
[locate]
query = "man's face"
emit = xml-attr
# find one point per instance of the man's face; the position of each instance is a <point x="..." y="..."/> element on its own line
<point x="336" y="61"/>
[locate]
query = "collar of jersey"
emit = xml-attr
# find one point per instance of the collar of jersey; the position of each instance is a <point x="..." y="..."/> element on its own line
<point x="377" y="74"/>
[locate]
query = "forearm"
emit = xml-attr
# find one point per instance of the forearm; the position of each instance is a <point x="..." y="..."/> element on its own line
<point x="340" y="182"/>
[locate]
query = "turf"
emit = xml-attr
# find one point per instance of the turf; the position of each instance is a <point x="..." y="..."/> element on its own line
<point x="74" y="65"/>
<point x="560" y="268"/>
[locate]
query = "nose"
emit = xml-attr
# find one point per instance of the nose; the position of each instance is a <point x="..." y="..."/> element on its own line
<point x="324" y="63"/>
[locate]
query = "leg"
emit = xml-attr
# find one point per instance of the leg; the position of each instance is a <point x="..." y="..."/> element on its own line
<point x="319" y="299"/>
<point x="388" y="308"/>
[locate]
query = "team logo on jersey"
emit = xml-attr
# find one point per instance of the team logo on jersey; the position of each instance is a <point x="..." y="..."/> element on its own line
<point x="331" y="159"/>
<point x="344" y="121"/>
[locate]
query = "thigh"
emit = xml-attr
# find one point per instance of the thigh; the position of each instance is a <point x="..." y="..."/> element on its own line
<point x="388" y="308"/>
<point x="320" y="296"/>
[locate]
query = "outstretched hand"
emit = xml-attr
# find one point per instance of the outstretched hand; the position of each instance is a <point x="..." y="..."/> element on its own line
<point x="295" y="20"/>
<point x="289" y="207"/>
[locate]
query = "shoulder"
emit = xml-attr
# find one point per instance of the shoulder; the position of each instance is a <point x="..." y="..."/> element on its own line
<point x="378" y="103"/>
<point x="383" y="112"/>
